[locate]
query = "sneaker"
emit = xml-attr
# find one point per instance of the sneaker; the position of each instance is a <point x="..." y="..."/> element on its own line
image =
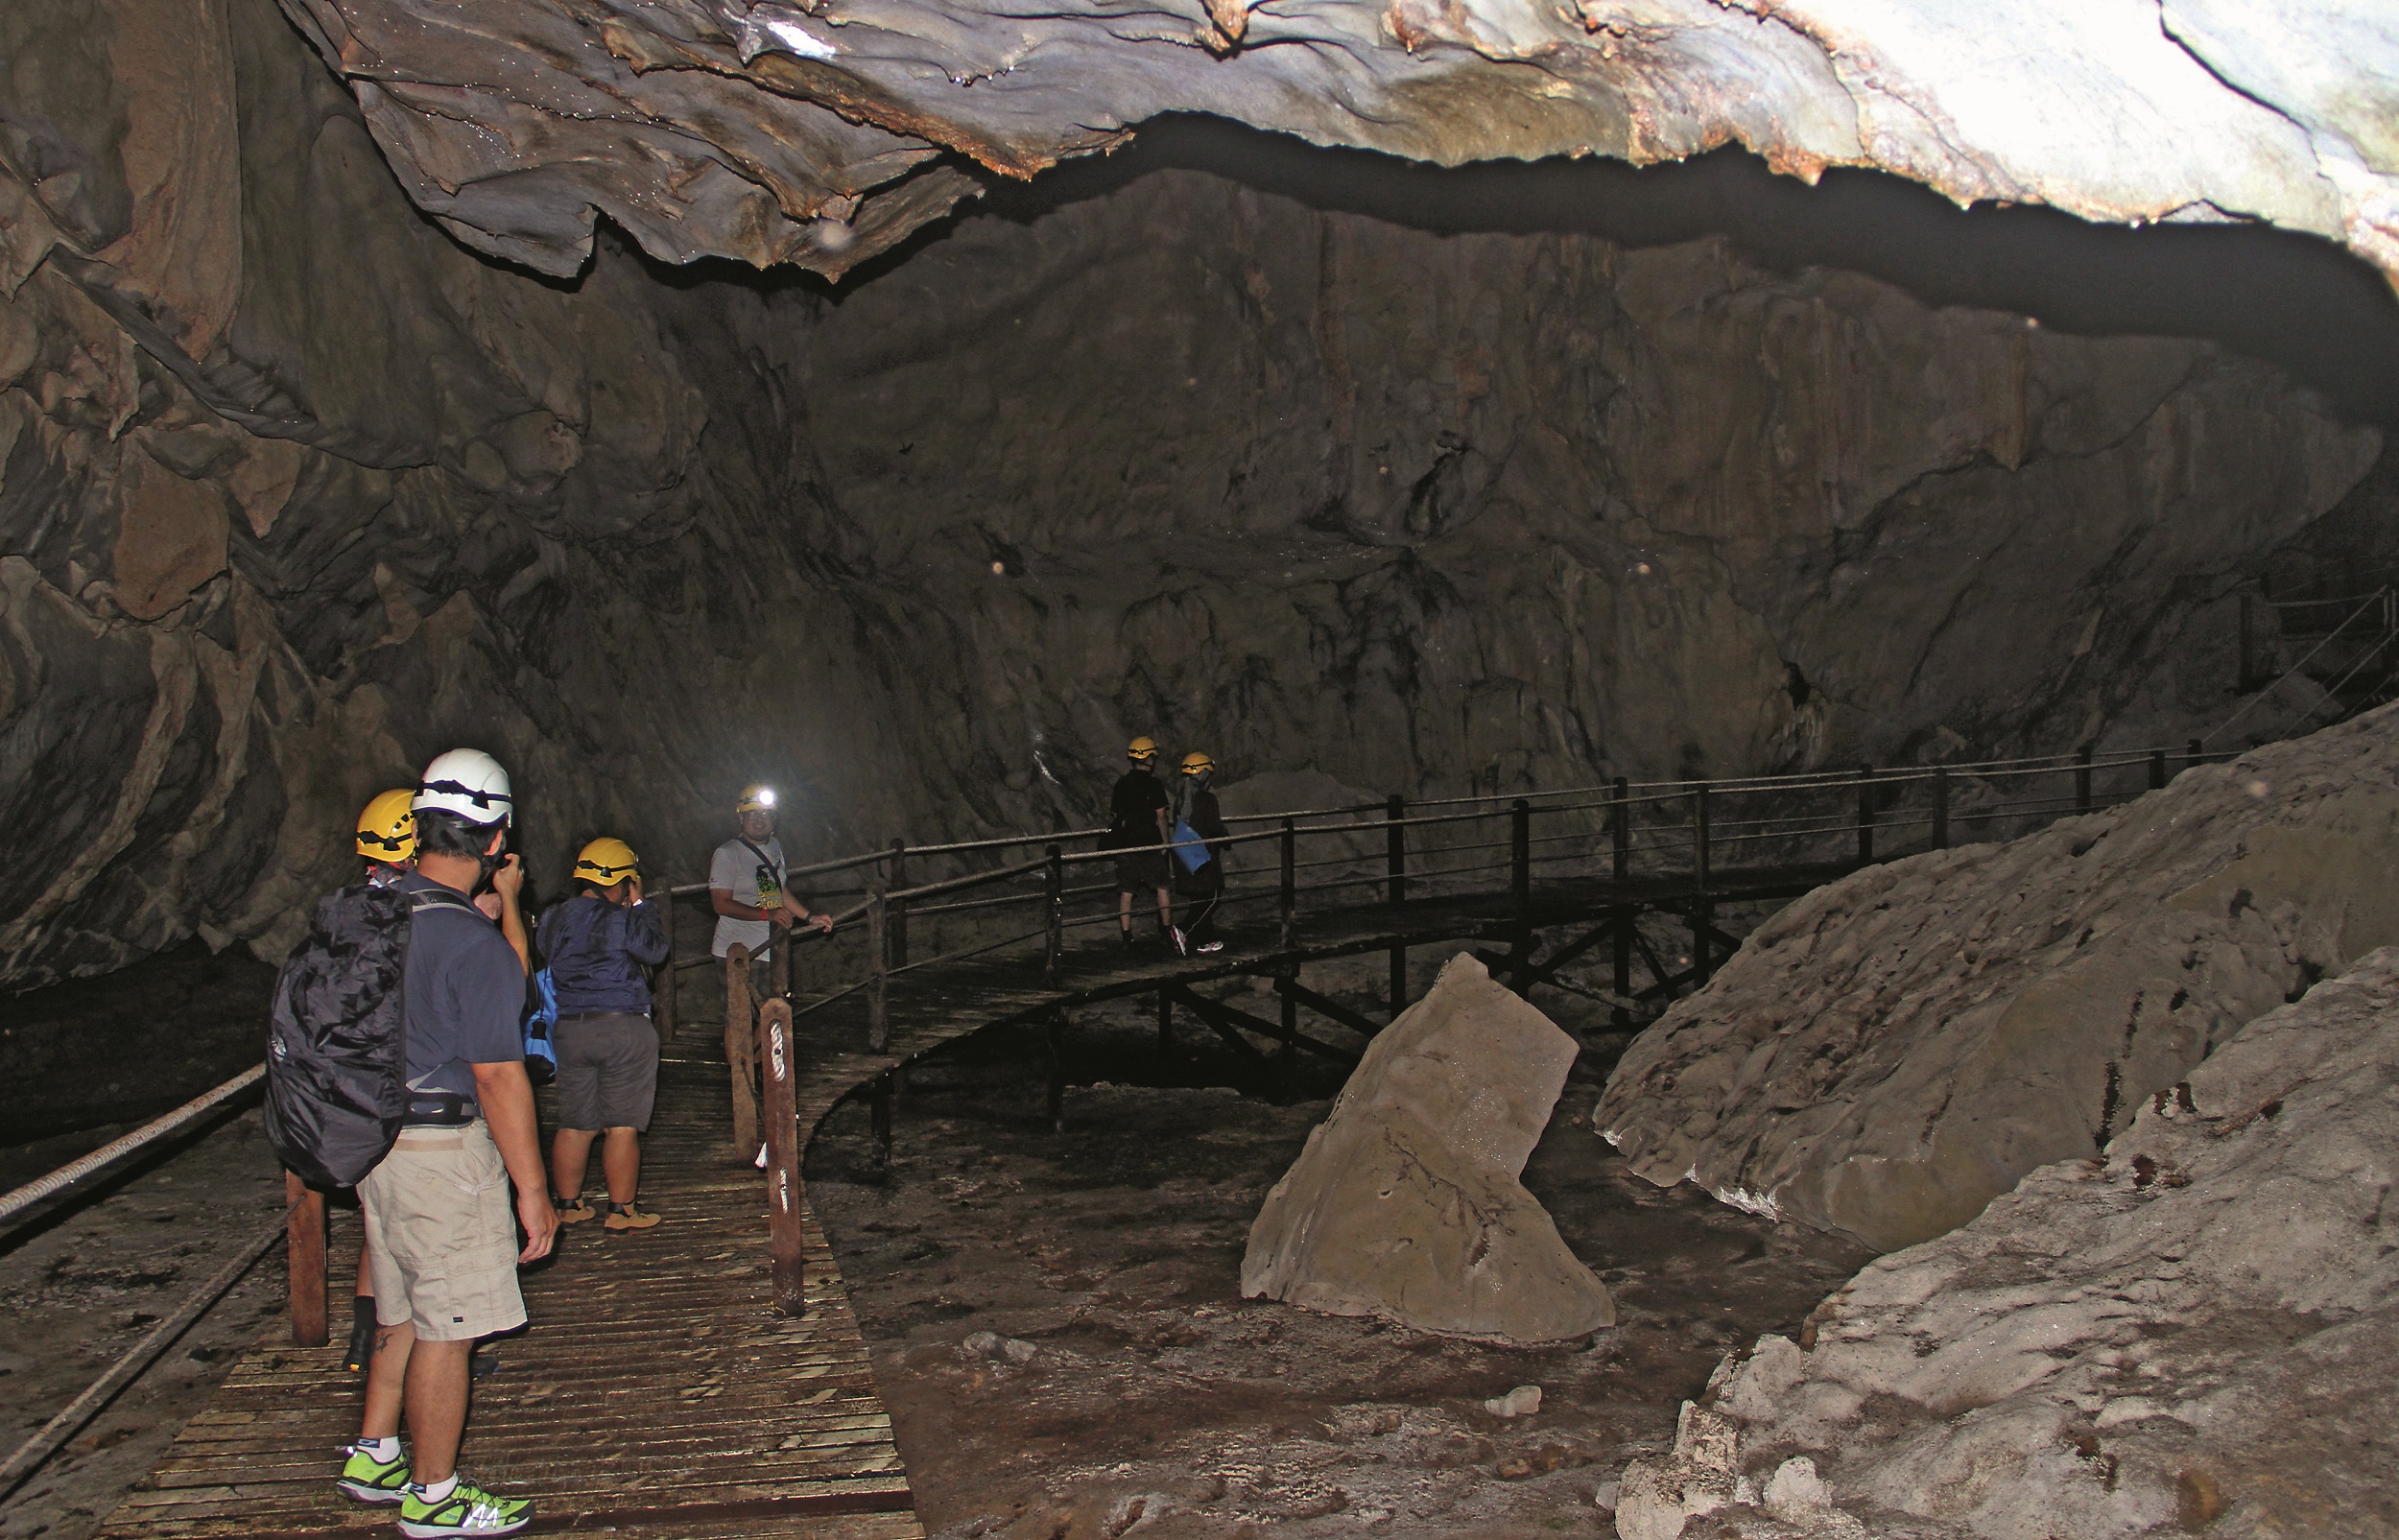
<point x="467" y="1510"/>
<point x="1182" y="946"/>
<point x="573" y="1212"/>
<point x="1128" y="939"/>
<point x="370" y="1480"/>
<point x="1209" y="946"/>
<point x="629" y="1217"/>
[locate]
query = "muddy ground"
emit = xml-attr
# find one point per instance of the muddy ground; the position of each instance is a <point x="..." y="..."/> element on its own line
<point x="1130" y="1384"/>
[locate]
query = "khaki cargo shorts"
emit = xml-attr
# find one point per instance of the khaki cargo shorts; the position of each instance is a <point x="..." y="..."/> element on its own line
<point x="441" y="1235"/>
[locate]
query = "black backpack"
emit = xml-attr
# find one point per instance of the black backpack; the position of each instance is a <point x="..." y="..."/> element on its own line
<point x="337" y="1048"/>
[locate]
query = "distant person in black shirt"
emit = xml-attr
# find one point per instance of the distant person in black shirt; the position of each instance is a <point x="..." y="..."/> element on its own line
<point x="1136" y="829"/>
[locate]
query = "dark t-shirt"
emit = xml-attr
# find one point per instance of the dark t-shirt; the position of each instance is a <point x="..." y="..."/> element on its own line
<point x="465" y="996"/>
<point x="1132" y="811"/>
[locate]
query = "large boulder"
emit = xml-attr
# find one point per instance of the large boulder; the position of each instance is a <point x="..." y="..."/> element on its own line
<point x="1405" y="1204"/>
<point x="1892" y="1051"/>
<point x="2200" y="1332"/>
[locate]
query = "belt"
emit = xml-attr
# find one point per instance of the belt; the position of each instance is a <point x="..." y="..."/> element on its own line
<point x="585" y="1015"/>
<point x="440" y="1109"/>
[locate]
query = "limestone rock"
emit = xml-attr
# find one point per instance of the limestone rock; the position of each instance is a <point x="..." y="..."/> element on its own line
<point x="1405" y="1204"/>
<point x="2199" y="1332"/>
<point x="1360" y="504"/>
<point x="1890" y="1053"/>
<point x="809" y="133"/>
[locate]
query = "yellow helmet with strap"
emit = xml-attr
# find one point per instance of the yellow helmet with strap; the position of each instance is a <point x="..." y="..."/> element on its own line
<point x="1141" y="748"/>
<point x="387" y="830"/>
<point x="607" y="862"/>
<point x="1196" y="762"/>
<point x="758" y="799"/>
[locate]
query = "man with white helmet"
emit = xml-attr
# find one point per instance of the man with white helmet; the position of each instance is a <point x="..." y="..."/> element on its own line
<point x="745" y="886"/>
<point x="441" y="1228"/>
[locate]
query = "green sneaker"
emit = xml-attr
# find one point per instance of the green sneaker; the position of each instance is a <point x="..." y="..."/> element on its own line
<point x="467" y="1510"/>
<point x="370" y="1480"/>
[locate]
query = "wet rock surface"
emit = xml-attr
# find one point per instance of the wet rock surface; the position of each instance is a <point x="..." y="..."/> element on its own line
<point x="1896" y="1048"/>
<point x="809" y="133"/>
<point x="295" y="492"/>
<point x="1154" y="1393"/>
<point x="1404" y="1202"/>
<point x="2192" y="1334"/>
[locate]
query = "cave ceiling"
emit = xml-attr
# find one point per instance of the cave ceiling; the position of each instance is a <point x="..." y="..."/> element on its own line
<point x="819" y="133"/>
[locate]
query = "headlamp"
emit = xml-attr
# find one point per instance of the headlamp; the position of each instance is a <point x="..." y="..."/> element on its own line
<point x="765" y="797"/>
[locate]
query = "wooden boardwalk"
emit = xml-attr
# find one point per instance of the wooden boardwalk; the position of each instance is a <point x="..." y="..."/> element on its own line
<point x="935" y="1004"/>
<point x="656" y="1393"/>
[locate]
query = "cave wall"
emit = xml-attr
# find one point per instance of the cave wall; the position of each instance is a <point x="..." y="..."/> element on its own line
<point x="294" y="491"/>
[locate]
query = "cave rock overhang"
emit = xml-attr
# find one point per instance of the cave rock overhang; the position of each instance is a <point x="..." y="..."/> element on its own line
<point x="818" y="132"/>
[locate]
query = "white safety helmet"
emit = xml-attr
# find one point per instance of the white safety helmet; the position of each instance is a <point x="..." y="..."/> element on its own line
<point x="468" y="783"/>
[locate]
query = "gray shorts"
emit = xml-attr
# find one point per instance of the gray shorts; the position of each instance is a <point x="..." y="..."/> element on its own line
<point x="607" y="1071"/>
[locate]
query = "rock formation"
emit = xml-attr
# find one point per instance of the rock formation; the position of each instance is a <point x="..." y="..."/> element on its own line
<point x="294" y="492"/>
<point x="2194" y="1333"/>
<point x="814" y="132"/>
<point x="1894" y="1050"/>
<point x="1405" y="1204"/>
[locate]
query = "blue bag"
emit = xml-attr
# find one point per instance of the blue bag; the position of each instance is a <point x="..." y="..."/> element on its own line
<point x="1189" y="849"/>
<point x="541" y="1058"/>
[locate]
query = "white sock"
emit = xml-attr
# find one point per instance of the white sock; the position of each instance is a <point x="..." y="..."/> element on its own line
<point x="386" y="1450"/>
<point x="434" y="1491"/>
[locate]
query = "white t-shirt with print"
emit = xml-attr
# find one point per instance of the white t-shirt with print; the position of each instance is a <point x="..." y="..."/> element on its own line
<point x="735" y="870"/>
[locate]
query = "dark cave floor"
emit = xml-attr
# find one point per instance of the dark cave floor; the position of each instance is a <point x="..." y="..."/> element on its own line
<point x="1142" y="1388"/>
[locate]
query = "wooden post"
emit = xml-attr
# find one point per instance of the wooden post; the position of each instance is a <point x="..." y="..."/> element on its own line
<point x="1054" y="887"/>
<point x="2248" y="630"/>
<point x="784" y="1194"/>
<point x="779" y="966"/>
<point x="1057" y="1072"/>
<point x="1620" y="837"/>
<point x="2194" y="753"/>
<point x="1288" y="845"/>
<point x="2082" y="779"/>
<point x="662" y="992"/>
<point x="1289" y="1050"/>
<point x="882" y="1100"/>
<point x="2157" y="770"/>
<point x="896" y="922"/>
<point x="1865" y="814"/>
<point x="304" y="1244"/>
<point x="878" y="961"/>
<point x="1520" y="889"/>
<point x="1940" y="807"/>
<point x="1704" y="855"/>
<point x="740" y="1044"/>
<point x="1395" y="855"/>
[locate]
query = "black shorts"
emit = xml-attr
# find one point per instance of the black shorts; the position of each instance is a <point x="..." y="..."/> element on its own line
<point x="1140" y="871"/>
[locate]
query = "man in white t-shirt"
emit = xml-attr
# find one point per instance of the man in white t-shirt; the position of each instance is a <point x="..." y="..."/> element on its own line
<point x="745" y="886"/>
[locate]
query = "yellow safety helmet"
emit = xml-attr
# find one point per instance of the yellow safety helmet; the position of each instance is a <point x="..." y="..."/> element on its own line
<point x="1141" y="748"/>
<point x="607" y="862"/>
<point x="1195" y="762"/>
<point x="387" y="831"/>
<point x="755" y="799"/>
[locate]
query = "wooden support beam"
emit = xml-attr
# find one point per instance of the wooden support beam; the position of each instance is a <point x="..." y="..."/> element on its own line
<point x="1546" y="970"/>
<point x="304" y="1244"/>
<point x="881" y="1102"/>
<point x="1333" y="1011"/>
<point x="1223" y="1017"/>
<point x="1057" y="1072"/>
<point x="785" y="1198"/>
<point x="740" y="1017"/>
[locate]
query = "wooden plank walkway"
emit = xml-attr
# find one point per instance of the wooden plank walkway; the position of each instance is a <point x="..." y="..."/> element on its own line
<point x="655" y="1392"/>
